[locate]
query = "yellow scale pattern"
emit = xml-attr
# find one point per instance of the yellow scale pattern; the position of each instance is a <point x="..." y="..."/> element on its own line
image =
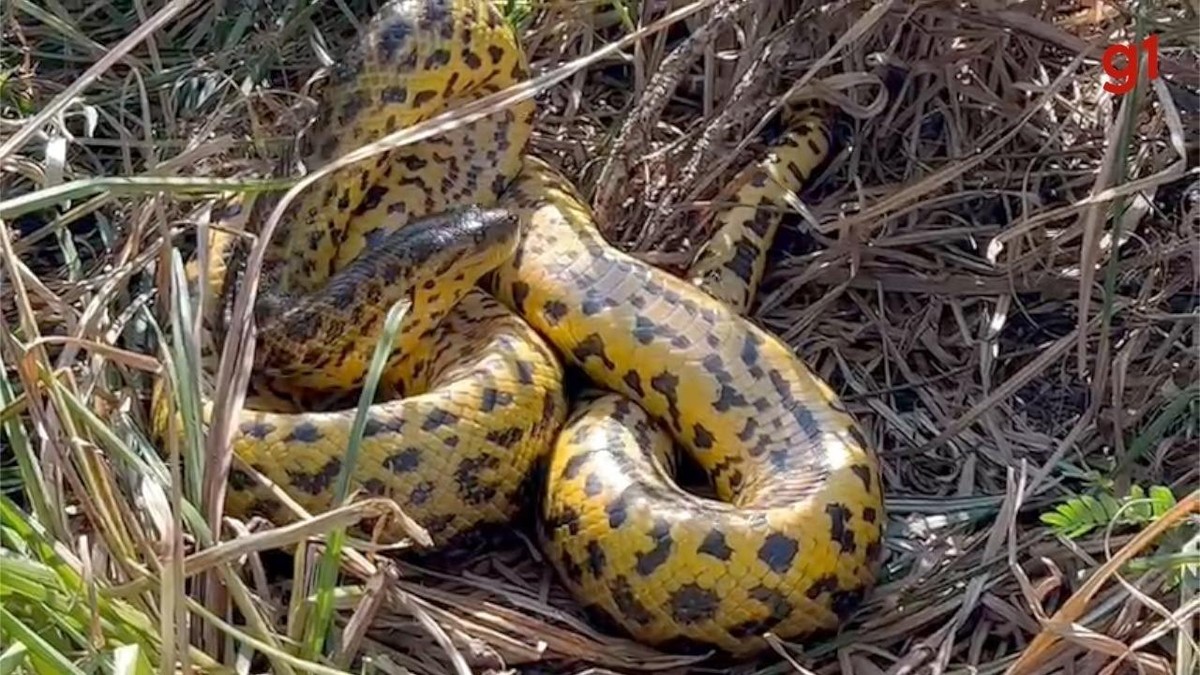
<point x="475" y="399"/>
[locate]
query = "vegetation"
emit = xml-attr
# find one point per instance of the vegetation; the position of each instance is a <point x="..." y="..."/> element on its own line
<point x="997" y="271"/>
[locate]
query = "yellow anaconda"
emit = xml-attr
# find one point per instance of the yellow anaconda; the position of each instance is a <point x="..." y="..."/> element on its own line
<point x="475" y="387"/>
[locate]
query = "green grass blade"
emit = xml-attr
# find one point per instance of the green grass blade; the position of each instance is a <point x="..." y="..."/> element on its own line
<point x="132" y="185"/>
<point x="42" y="655"/>
<point x="28" y="466"/>
<point x="321" y="618"/>
<point x="13" y="657"/>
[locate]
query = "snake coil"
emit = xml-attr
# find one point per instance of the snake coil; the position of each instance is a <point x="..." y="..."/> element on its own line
<point x="473" y="396"/>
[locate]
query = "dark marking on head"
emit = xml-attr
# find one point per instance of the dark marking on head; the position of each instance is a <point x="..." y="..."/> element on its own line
<point x="413" y="162"/>
<point x="797" y="173"/>
<point x="702" y="439"/>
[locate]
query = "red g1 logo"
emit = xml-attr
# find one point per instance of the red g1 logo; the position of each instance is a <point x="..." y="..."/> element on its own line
<point x="1120" y="62"/>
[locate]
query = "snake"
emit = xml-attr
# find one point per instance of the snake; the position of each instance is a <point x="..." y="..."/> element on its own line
<point x="510" y="286"/>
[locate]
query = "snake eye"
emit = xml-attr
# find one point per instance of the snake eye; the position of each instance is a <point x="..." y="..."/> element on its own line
<point x="494" y="226"/>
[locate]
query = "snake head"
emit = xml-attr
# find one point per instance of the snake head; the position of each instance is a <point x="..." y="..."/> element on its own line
<point x="470" y="240"/>
<point x="489" y="229"/>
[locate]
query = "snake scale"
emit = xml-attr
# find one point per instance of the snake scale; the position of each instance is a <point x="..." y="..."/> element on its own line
<point x="509" y="279"/>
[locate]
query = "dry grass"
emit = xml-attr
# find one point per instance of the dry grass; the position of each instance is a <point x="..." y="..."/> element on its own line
<point x="998" y="270"/>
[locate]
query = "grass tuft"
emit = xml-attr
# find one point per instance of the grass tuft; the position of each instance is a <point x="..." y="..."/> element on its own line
<point x="996" y="270"/>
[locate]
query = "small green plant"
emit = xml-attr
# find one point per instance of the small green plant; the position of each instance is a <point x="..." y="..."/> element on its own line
<point x="1079" y="515"/>
<point x="1175" y="551"/>
<point x="518" y="12"/>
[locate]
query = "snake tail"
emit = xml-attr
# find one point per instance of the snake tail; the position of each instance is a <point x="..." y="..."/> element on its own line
<point x="732" y="262"/>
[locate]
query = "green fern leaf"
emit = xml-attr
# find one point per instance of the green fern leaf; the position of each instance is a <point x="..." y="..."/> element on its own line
<point x="1056" y="520"/>
<point x="1139" y="510"/>
<point x="1076" y="516"/>
<point x="1111" y="507"/>
<point x="1096" y="511"/>
<point x="1162" y="500"/>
